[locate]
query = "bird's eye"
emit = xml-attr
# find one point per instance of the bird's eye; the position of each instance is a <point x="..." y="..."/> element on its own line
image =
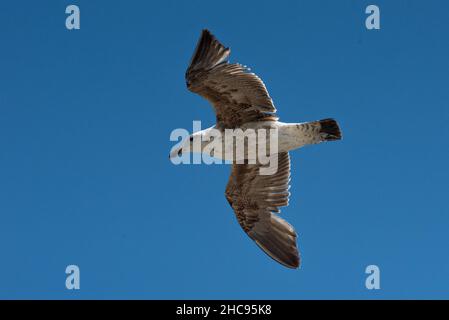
<point x="191" y="139"/>
<point x="180" y="153"/>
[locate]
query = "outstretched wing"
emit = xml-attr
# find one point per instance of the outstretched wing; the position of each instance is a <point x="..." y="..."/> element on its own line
<point x="237" y="95"/>
<point x="256" y="200"/>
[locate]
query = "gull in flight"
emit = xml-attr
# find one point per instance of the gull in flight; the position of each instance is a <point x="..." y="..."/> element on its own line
<point x="241" y="101"/>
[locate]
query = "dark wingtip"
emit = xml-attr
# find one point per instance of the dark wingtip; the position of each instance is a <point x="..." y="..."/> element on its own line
<point x="294" y="263"/>
<point x="206" y="31"/>
<point x="209" y="52"/>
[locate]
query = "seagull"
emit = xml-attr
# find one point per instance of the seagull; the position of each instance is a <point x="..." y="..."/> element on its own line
<point x="241" y="101"/>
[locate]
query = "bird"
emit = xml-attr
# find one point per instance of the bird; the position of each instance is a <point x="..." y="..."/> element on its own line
<point x="241" y="101"/>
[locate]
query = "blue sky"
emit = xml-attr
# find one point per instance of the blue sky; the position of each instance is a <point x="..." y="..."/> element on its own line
<point x="85" y="119"/>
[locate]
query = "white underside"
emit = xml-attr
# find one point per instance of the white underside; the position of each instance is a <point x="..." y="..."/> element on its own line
<point x="289" y="136"/>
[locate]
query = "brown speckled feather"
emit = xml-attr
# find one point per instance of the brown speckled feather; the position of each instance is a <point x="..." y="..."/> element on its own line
<point x="256" y="200"/>
<point x="237" y="95"/>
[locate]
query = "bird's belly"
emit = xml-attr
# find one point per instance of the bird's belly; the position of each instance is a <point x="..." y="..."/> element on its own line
<point x="249" y="144"/>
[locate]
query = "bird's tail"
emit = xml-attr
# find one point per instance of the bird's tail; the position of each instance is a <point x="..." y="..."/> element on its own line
<point x="306" y="133"/>
<point x="328" y="129"/>
<point x="316" y="132"/>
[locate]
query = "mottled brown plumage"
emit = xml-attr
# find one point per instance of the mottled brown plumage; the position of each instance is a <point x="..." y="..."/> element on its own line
<point x="237" y="95"/>
<point x="256" y="200"/>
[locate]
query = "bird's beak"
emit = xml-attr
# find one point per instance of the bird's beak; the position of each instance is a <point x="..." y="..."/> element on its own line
<point x="175" y="153"/>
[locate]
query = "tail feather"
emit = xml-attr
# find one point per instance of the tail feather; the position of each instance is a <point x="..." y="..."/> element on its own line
<point x="329" y="130"/>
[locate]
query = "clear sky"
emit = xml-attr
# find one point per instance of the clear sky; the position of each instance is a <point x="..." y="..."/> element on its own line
<point x="85" y="119"/>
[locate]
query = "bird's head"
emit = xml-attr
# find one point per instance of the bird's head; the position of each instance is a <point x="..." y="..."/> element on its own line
<point x="192" y="143"/>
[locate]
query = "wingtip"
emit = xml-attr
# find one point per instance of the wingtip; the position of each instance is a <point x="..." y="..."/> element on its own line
<point x="293" y="263"/>
<point x="206" y="34"/>
<point x="287" y="259"/>
<point x="208" y="53"/>
<point x="296" y="264"/>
